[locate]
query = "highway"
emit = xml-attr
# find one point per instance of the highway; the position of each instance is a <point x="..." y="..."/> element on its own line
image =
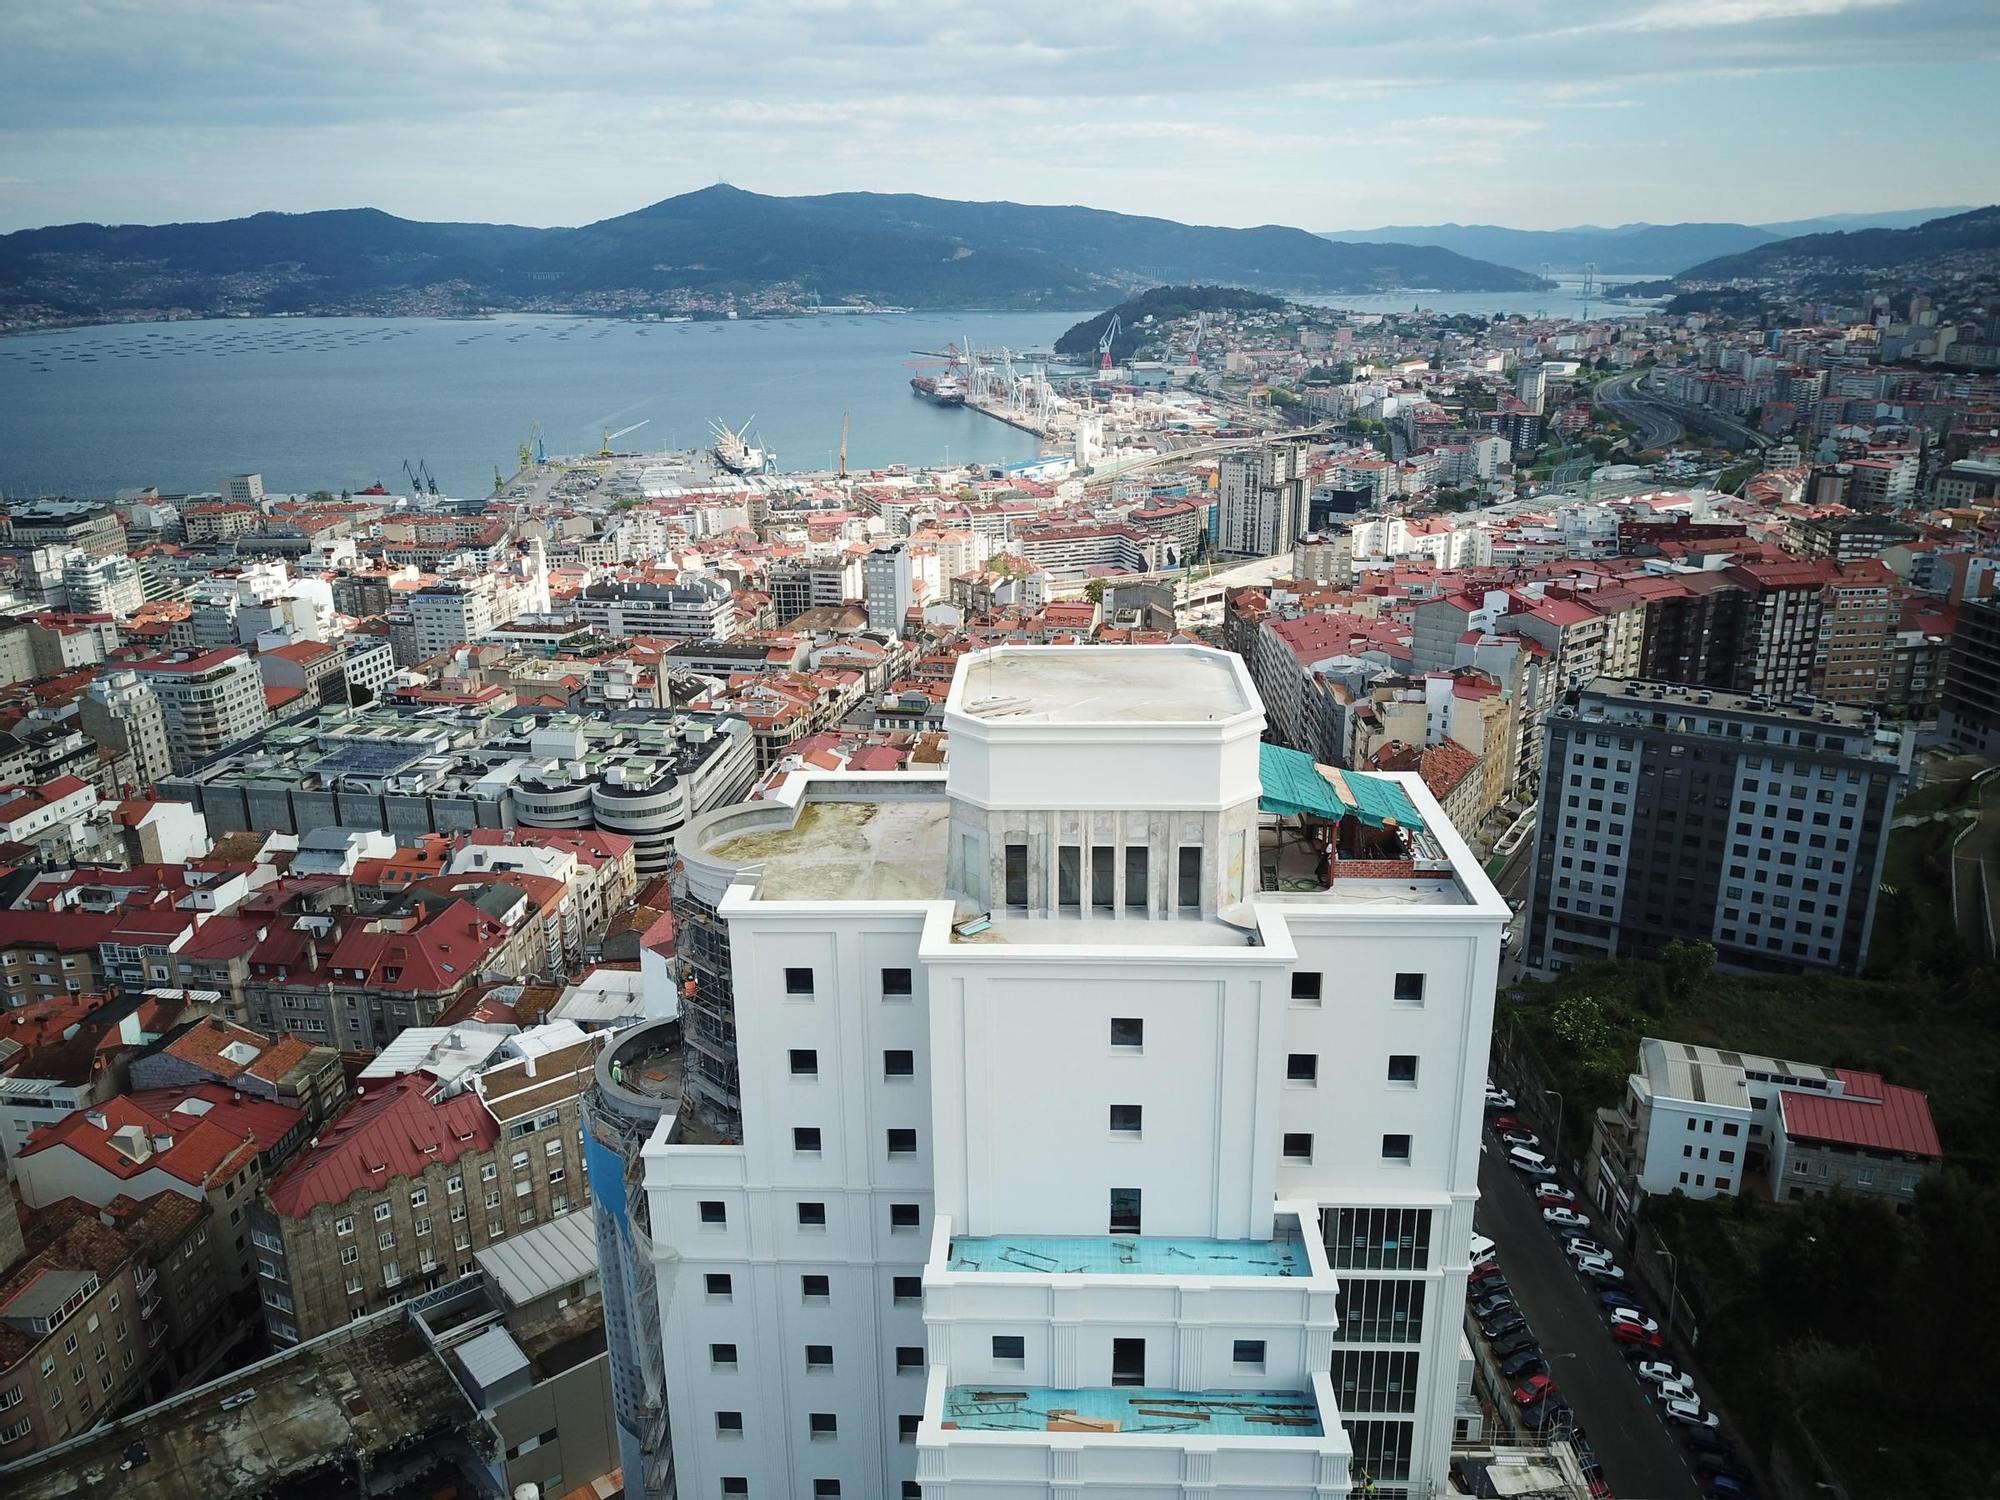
<point x="1641" y="1458"/>
<point x="1656" y="428"/>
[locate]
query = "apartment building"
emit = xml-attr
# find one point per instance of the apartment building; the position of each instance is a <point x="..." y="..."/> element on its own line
<point x="697" y="606"/>
<point x="1261" y="507"/>
<point x="1128" y="1067"/>
<point x="416" y="1177"/>
<point x="210" y="699"/>
<point x="1671" y="812"/>
<point x="123" y="714"/>
<point x="1969" y="715"/>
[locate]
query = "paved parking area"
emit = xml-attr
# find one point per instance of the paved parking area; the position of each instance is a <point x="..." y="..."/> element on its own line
<point x="1641" y="1459"/>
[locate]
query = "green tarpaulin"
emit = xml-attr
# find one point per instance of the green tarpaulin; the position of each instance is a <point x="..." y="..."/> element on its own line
<point x="1295" y="784"/>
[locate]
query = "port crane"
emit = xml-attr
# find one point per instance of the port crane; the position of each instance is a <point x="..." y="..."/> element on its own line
<point x="842" y="473"/>
<point x="420" y="478"/>
<point x="609" y="436"/>
<point x="1111" y="331"/>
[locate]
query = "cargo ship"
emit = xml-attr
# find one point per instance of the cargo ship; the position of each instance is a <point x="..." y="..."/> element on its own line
<point x="734" y="452"/>
<point x="939" y="390"/>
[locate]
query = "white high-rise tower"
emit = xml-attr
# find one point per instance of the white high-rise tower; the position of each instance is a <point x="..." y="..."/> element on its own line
<point x="1098" y="1118"/>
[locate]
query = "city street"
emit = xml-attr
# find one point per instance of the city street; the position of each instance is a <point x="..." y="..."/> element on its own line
<point x="1642" y="1460"/>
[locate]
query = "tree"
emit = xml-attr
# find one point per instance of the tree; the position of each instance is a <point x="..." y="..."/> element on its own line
<point x="321" y="497"/>
<point x="1094" y="591"/>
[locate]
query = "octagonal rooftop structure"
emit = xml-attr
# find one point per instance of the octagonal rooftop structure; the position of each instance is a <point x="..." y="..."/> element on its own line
<point x="1140" y="727"/>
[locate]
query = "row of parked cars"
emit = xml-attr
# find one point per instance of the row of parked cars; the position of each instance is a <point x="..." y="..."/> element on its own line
<point x="1631" y="1323"/>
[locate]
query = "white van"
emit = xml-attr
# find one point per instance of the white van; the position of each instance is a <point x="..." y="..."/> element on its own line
<point x="1483" y="1250"/>
<point x="1521" y="1159"/>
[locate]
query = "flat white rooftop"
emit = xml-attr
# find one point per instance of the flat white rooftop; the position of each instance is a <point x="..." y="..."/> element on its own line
<point x="1111" y="685"/>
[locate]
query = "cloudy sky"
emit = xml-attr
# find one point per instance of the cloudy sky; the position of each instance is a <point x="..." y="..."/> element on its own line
<point x="1322" y="113"/>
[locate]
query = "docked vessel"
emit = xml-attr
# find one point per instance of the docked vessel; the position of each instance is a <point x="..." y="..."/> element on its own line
<point x="734" y="452"/>
<point x="939" y="390"/>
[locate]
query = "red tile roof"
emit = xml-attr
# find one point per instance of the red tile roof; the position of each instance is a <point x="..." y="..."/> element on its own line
<point x="391" y="1132"/>
<point x="197" y="1153"/>
<point x="1871" y="1116"/>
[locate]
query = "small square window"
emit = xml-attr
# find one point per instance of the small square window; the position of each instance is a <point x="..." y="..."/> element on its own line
<point x="826" y="1489"/>
<point x="1402" y="1067"/>
<point x="1298" y="1145"/>
<point x="735" y="1484"/>
<point x="805" y="1138"/>
<point x="912" y="1490"/>
<point x="1302" y="1067"/>
<point x="712" y="1211"/>
<point x="1010" y="1350"/>
<point x="1306" y="986"/>
<point x="909" y="1358"/>
<point x="805" y="1063"/>
<point x="819" y="1357"/>
<point x="822" y="1425"/>
<point x="718" y="1285"/>
<point x="722" y="1356"/>
<point x="1409" y="989"/>
<point x="1395" y="1148"/>
<point x="907" y="1288"/>
<point x="812" y="1216"/>
<point x="815" y="1288"/>
<point x="897" y="1063"/>
<point x="1248" y="1354"/>
<point x="895" y="981"/>
<point x="1128" y="1031"/>
<point x="902" y="1143"/>
<point x="904" y="1215"/>
<point x="1126" y="1119"/>
<point x="729" y="1424"/>
<point x="907" y="1425"/>
<point x="798" y="981"/>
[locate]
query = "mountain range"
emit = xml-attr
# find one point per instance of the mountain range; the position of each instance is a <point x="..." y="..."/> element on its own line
<point x="1964" y="241"/>
<point x="715" y="244"/>
<point x="1646" y="249"/>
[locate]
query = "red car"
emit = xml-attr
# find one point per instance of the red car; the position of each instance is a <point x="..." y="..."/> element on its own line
<point x="1501" y="1124"/>
<point x="1488" y="1272"/>
<point x="1634" y="1337"/>
<point x="1535" y="1388"/>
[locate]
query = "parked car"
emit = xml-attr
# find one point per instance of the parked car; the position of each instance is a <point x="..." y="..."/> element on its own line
<point x="1705" y="1440"/>
<point x="1637" y="1338"/>
<point x="1489" y="1274"/>
<point x="1547" y="1184"/>
<point x="1498" y="1099"/>
<point x="1691" y="1414"/>
<point x="1546" y="1414"/>
<point x="1521" y="1159"/>
<point x="1553" y="1195"/>
<point x="1519" y="1342"/>
<point x="1507" y="1322"/>
<point x="1599" y="1268"/>
<point x="1708" y="1465"/>
<point x="1577" y="1246"/>
<point x="1526" y="1139"/>
<point x="1483" y="1250"/>
<point x="1490" y="1308"/>
<point x="1678" y="1390"/>
<point x="1534" y="1389"/>
<point x="1501" y="1124"/>
<point x="1610" y="1300"/>
<point x="1526" y="1363"/>
<point x="1727" y="1487"/>
<point x="1566" y="1218"/>
<point x="1625" y="1317"/>
<point x="1656" y="1371"/>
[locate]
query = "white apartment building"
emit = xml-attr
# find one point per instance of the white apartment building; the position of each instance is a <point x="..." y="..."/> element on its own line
<point x="102" y="585"/>
<point x="210" y="700"/>
<point x="1261" y="501"/>
<point x="1097" y="1117"/>
<point x="888" y="587"/>
<point x="696" y="606"/>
